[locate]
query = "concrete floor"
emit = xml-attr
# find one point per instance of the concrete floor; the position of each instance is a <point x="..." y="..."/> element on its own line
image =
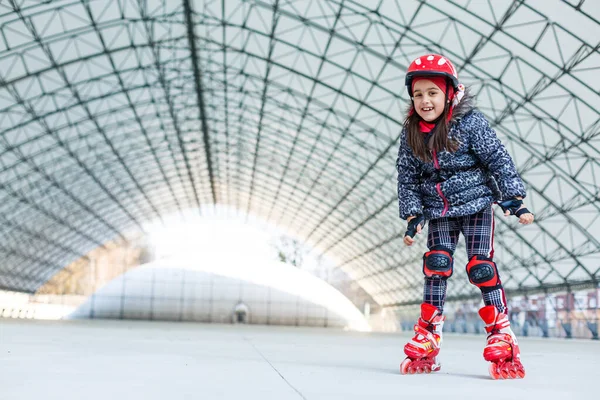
<point x="160" y="360"/>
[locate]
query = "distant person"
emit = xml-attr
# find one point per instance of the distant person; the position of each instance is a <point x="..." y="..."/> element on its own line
<point x="240" y="313"/>
<point x="451" y="169"/>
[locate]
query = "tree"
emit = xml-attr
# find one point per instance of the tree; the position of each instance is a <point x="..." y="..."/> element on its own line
<point x="289" y="251"/>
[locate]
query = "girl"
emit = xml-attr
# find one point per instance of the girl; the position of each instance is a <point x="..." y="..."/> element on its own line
<point x="451" y="168"/>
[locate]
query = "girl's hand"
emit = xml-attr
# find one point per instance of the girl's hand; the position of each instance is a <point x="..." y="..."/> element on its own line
<point x="408" y="239"/>
<point x="525" y="218"/>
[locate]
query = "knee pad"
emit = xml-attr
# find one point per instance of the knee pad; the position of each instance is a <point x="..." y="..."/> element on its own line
<point x="483" y="273"/>
<point x="438" y="262"/>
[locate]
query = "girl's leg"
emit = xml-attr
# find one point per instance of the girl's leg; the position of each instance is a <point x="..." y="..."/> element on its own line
<point x="423" y="349"/>
<point x="443" y="234"/>
<point x="478" y="230"/>
<point x="502" y="349"/>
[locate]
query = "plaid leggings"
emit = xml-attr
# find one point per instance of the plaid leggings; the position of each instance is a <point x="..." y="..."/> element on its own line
<point x="478" y="230"/>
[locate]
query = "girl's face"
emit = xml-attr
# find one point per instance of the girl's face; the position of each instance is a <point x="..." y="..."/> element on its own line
<point x="428" y="100"/>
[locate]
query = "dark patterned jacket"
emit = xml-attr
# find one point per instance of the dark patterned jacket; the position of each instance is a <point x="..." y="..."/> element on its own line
<point x="462" y="183"/>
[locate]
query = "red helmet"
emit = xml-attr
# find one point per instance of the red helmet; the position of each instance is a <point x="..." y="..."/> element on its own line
<point x="430" y="65"/>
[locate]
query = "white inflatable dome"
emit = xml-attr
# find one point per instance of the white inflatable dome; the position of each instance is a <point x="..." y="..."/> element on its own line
<point x="182" y="290"/>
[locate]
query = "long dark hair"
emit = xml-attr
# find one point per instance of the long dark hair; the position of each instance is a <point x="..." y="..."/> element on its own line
<point x="438" y="139"/>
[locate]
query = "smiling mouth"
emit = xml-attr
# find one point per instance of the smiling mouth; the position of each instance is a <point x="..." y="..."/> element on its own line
<point x="427" y="109"/>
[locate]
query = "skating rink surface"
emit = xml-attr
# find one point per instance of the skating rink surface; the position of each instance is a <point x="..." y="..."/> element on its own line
<point x="99" y="359"/>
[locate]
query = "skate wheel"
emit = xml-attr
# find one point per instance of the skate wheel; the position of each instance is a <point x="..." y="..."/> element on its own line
<point x="518" y="372"/>
<point x="421" y="366"/>
<point x="493" y="370"/>
<point x="405" y="366"/>
<point x="506" y="370"/>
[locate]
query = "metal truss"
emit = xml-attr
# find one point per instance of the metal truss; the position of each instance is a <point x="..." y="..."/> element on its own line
<point x="114" y="113"/>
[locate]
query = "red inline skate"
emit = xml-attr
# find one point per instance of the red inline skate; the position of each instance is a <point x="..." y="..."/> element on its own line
<point x="423" y="348"/>
<point x="502" y="349"/>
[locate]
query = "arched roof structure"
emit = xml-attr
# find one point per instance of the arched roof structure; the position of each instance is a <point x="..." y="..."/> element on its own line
<point x="117" y="112"/>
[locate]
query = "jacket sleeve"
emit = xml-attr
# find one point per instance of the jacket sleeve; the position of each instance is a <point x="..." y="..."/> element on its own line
<point x="409" y="197"/>
<point x="493" y="155"/>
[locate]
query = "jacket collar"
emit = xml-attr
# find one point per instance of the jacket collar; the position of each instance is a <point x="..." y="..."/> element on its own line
<point x="466" y="105"/>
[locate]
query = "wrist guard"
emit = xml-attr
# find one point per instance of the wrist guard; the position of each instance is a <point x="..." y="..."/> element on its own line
<point x="411" y="230"/>
<point x="512" y="206"/>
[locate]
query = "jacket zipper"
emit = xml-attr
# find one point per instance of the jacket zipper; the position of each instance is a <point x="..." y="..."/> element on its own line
<point x="436" y="164"/>
<point x="438" y="186"/>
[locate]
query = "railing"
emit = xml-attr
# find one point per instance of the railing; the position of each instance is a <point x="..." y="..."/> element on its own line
<point x="560" y="315"/>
